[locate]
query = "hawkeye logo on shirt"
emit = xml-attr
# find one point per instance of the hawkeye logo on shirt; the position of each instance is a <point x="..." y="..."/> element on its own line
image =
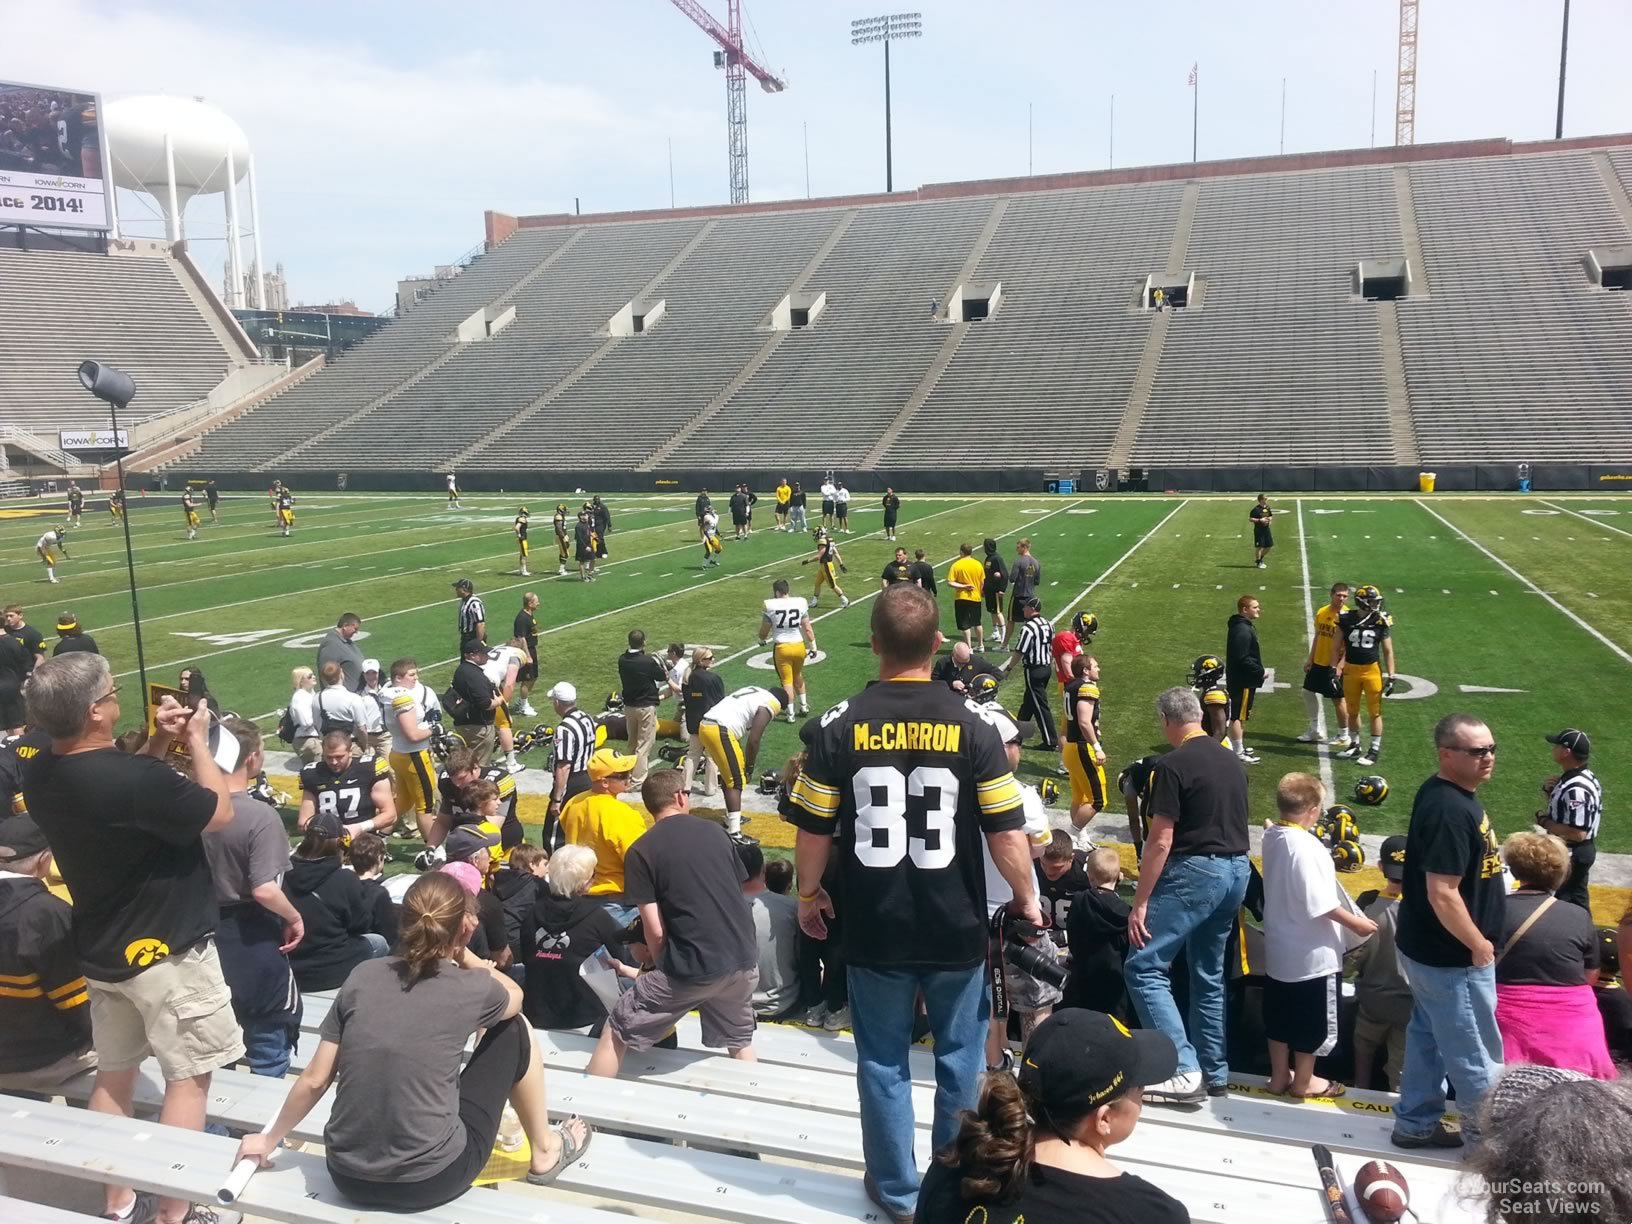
<point x="907" y="736"/>
<point x="1491" y="866"/>
<point x="144" y="952"/>
<point x="27" y="751"/>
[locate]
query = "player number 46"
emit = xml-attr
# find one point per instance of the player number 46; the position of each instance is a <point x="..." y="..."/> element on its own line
<point x="882" y="835"/>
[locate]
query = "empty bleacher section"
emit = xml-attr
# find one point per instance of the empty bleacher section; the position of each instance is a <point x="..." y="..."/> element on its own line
<point x="487" y="384"/>
<point x="371" y="369"/>
<point x="1063" y="347"/>
<point x="1277" y="360"/>
<point x="1515" y="355"/>
<point x="844" y="380"/>
<point x="61" y="307"/>
<point x="716" y="303"/>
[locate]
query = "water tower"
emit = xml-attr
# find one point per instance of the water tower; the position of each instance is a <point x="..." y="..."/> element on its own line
<point x="175" y="148"/>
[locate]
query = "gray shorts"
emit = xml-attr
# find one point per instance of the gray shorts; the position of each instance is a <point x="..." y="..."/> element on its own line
<point x="647" y="1014"/>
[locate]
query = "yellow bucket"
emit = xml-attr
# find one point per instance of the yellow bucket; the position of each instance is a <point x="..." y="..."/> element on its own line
<point x="1425" y="481"/>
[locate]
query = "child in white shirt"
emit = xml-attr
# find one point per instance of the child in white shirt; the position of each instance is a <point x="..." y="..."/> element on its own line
<point x="1304" y="920"/>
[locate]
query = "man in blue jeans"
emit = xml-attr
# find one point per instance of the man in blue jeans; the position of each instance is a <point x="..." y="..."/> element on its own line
<point x="903" y="782"/>
<point x="1451" y="912"/>
<point x="1192" y="877"/>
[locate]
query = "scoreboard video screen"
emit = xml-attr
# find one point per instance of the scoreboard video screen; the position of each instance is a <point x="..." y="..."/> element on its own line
<point x="52" y="164"/>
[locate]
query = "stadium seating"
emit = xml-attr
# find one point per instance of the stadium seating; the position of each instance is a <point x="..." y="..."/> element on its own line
<point x="61" y="307"/>
<point x="1513" y="355"/>
<point x="1504" y="350"/>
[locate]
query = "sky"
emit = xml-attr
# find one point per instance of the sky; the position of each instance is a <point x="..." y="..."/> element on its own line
<point x="382" y="131"/>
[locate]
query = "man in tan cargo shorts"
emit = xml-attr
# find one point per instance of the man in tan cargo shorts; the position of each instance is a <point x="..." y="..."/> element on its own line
<point x="125" y="832"/>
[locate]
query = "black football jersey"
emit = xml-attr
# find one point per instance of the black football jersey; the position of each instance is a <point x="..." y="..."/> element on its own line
<point x="347" y="794"/>
<point x="1055" y="896"/>
<point x="461" y="815"/>
<point x="521" y="528"/>
<point x="1080" y="690"/>
<point x="908" y="778"/>
<point x="1363" y="633"/>
<point x="897" y="571"/>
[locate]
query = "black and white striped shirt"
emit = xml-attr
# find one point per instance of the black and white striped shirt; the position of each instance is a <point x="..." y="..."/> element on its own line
<point x="471" y="614"/>
<point x="1034" y="645"/>
<point x="574" y="741"/>
<point x="1577" y="801"/>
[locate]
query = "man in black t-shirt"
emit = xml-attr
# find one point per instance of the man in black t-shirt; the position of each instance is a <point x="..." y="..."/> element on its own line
<point x="892" y="509"/>
<point x="1193" y="876"/>
<point x="959" y="669"/>
<point x="526" y="628"/>
<point x="125" y="830"/>
<point x="16" y="661"/>
<point x="685" y="877"/>
<point x="923" y="573"/>
<point x="898" y="570"/>
<point x="905" y="782"/>
<point x="1263" y="538"/>
<point x="643" y="680"/>
<point x="1451" y="912"/>
<point x="1062" y="873"/>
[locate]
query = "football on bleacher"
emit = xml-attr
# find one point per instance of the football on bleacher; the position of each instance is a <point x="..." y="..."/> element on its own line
<point x="1381" y="1191"/>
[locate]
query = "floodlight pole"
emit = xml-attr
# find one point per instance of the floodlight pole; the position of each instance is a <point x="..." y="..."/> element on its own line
<point x="886" y="29"/>
<point x="889" y="157"/>
<point x="1563" y="63"/>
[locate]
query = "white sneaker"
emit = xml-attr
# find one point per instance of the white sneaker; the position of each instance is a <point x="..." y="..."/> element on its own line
<point x="1365" y="758"/>
<point x="843" y="603"/>
<point x="1249" y="757"/>
<point x="1341" y="744"/>
<point x="1349" y="749"/>
<point x="1310" y="737"/>
<point x="837" y="1021"/>
<point x="527" y="710"/>
<point x="816" y="1016"/>
<point x="1185" y="1088"/>
<point x="54" y="578"/>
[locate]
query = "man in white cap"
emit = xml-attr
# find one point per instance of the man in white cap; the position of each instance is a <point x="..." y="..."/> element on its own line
<point x="373" y="707"/>
<point x="572" y="745"/>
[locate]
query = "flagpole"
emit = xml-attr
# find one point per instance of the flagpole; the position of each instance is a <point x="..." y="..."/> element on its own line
<point x="1195" y="108"/>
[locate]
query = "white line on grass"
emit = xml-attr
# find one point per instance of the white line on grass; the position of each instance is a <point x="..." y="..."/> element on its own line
<point x="514" y="586"/>
<point x="1322" y="754"/>
<point x="1587" y="519"/>
<point x="1619" y="651"/>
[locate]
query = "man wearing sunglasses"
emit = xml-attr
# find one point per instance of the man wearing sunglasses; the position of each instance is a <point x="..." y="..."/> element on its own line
<point x="1449" y="920"/>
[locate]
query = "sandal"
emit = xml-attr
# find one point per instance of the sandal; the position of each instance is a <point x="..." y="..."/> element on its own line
<point x="569" y="1152"/>
<point x="1332" y="1091"/>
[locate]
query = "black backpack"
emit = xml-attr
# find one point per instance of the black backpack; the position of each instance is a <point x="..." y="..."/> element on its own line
<point x="455" y="705"/>
<point x="286" y="727"/>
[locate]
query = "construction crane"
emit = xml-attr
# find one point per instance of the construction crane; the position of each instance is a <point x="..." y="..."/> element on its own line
<point x="1405" y="95"/>
<point x="738" y="65"/>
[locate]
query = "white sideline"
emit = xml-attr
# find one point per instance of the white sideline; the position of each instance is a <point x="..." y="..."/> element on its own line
<point x="1531" y="586"/>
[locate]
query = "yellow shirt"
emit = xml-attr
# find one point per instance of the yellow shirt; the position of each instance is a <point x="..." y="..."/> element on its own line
<point x="1325" y="633"/>
<point x="608" y="826"/>
<point x="968" y="570"/>
<point x="783" y="494"/>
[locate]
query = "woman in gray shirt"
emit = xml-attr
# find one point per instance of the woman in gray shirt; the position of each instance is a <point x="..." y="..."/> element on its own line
<point x="408" y="1131"/>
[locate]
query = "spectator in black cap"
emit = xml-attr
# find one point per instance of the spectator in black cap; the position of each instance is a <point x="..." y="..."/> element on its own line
<point x="72" y="637"/>
<point x="1614" y="1002"/>
<point x="334" y="908"/>
<point x="473" y="717"/>
<point x="472" y="613"/>
<point x="45" y="1018"/>
<point x="1034" y="1148"/>
<point x="1575" y="804"/>
<point x="474" y="844"/>
<point x="1380" y="989"/>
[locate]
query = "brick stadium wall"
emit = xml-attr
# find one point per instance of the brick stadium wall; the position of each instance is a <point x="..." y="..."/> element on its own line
<point x="499" y="226"/>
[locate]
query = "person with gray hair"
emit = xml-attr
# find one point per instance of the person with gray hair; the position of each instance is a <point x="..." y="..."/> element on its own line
<point x="1193" y="876"/>
<point x="565" y="928"/>
<point x="126" y="831"/>
<point x="1452" y="909"/>
<point x="1557" y="1146"/>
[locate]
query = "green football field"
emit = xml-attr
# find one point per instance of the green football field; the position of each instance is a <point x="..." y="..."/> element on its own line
<point x="1514" y="608"/>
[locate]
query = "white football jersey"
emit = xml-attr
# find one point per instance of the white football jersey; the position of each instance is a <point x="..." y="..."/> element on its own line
<point x="735" y="711"/>
<point x="452" y="480"/>
<point x="498" y="663"/>
<point x="49" y="540"/>
<point x="787" y="616"/>
<point x="711" y="521"/>
<point x="396" y="701"/>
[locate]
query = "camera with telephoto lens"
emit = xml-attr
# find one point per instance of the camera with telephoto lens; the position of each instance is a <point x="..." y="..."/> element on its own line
<point x="1026" y="958"/>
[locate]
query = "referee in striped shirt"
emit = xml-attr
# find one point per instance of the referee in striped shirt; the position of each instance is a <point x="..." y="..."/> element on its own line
<point x="472" y="614"/>
<point x="573" y="745"/>
<point x="1575" y="805"/>
<point x="1033" y="653"/>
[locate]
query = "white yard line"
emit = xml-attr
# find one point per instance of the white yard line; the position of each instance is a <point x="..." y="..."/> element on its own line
<point x="1322" y="753"/>
<point x="1529" y="585"/>
<point x="1587" y="518"/>
<point x="1115" y="565"/>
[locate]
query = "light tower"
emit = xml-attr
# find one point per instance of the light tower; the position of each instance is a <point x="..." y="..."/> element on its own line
<point x="886" y="29"/>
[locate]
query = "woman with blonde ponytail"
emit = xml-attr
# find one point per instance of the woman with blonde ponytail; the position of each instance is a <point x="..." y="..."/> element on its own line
<point x="1033" y="1150"/>
<point x="409" y="1131"/>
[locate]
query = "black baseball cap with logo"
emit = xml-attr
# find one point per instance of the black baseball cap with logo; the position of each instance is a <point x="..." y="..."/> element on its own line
<point x="1078" y="1060"/>
<point x="1391" y="858"/>
<point x="1573" y="741"/>
<point x="20" y="838"/>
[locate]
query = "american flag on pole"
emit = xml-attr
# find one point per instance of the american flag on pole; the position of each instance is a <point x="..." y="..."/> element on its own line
<point x="1193" y="73"/>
